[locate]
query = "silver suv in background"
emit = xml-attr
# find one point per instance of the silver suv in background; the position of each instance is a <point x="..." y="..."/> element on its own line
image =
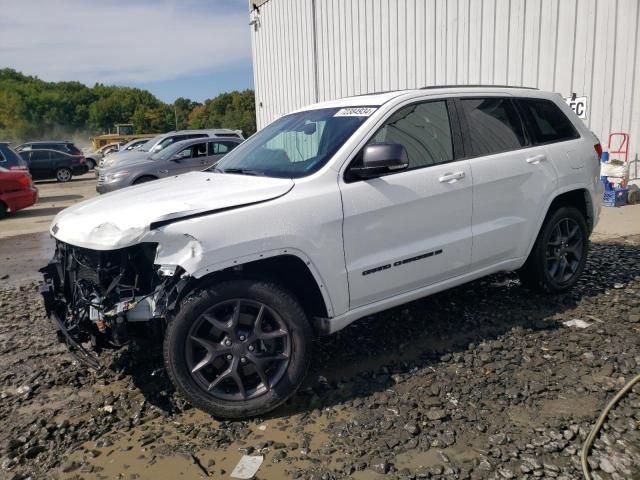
<point x="161" y="142"/>
<point x="181" y="157"/>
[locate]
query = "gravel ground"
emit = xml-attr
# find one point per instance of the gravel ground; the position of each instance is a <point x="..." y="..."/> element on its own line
<point x="483" y="381"/>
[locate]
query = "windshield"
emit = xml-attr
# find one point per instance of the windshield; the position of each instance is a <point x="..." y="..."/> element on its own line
<point x="295" y="145"/>
<point x="145" y="147"/>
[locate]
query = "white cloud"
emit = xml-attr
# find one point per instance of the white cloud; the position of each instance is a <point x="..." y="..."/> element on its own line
<point x="109" y="41"/>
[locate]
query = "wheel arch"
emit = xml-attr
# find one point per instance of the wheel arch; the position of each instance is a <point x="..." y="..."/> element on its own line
<point x="143" y="175"/>
<point x="577" y="197"/>
<point x="290" y="268"/>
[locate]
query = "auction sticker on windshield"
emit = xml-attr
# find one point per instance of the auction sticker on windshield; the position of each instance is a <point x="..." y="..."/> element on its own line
<point x="355" y="112"/>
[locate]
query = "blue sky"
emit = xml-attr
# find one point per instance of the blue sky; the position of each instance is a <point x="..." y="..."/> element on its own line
<point x="173" y="48"/>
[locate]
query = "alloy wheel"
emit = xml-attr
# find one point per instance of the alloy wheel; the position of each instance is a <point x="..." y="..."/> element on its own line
<point x="63" y="175"/>
<point x="564" y="250"/>
<point x="238" y="349"/>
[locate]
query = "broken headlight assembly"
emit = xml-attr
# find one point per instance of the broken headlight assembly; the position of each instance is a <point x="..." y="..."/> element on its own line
<point x="93" y="297"/>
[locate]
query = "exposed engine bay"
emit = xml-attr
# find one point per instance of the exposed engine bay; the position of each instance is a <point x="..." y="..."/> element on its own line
<point x="95" y="298"/>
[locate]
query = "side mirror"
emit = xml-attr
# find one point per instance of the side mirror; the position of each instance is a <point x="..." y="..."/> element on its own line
<point x="381" y="158"/>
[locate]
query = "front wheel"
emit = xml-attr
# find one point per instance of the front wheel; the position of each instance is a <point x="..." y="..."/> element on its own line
<point x="559" y="255"/>
<point x="239" y="348"/>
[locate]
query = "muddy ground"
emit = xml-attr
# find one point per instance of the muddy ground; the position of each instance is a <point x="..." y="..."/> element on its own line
<point x="483" y="381"/>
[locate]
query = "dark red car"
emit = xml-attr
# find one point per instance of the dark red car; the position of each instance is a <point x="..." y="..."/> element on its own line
<point x="16" y="191"/>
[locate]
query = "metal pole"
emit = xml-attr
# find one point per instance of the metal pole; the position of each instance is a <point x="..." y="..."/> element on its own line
<point x="175" y="113"/>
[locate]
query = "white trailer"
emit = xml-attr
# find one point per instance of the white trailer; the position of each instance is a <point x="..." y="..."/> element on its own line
<point x="306" y="51"/>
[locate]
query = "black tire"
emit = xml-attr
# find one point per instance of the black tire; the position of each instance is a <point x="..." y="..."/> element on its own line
<point x="179" y="354"/>
<point x="3" y="210"/>
<point x="90" y="163"/>
<point x="144" y="179"/>
<point x="538" y="272"/>
<point x="64" y="174"/>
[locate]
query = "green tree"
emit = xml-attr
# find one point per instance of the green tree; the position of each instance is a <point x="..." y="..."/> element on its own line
<point x="32" y="109"/>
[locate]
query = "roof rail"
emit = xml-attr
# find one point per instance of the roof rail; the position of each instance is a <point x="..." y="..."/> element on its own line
<point x="476" y="86"/>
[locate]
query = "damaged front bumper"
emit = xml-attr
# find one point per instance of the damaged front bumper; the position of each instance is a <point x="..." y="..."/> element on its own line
<point x="98" y="299"/>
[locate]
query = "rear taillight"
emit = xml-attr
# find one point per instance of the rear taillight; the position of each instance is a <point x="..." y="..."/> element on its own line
<point x="598" y="148"/>
<point x="82" y="160"/>
<point x="25" y="180"/>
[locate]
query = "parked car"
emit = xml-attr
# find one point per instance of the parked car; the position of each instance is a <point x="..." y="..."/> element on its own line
<point x="330" y="214"/>
<point x="62" y="146"/>
<point x="93" y="158"/>
<point x="133" y="144"/>
<point x="45" y="164"/>
<point x="9" y="159"/>
<point x="16" y="191"/>
<point x="180" y="157"/>
<point x="161" y="142"/>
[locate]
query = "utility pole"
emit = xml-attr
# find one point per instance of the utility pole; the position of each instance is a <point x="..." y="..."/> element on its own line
<point x="175" y="113"/>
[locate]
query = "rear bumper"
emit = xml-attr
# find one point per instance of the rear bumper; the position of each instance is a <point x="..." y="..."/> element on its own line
<point x="21" y="199"/>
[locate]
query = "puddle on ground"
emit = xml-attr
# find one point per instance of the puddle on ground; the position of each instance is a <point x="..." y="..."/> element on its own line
<point x="167" y="456"/>
<point x="419" y="461"/>
<point x="576" y="407"/>
<point x="416" y="460"/>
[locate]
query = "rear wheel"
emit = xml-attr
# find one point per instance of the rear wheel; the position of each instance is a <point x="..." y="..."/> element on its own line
<point x="90" y="163"/>
<point x="3" y="210"/>
<point x="239" y="348"/>
<point x="560" y="252"/>
<point x="63" y="175"/>
<point x="144" y="179"/>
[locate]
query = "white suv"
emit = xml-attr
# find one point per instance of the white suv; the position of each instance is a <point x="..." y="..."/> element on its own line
<point x="329" y="214"/>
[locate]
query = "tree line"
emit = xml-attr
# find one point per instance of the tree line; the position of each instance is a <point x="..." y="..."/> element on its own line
<point x="32" y="109"/>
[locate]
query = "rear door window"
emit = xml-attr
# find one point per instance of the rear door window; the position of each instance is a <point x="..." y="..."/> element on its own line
<point x="40" y="156"/>
<point x="546" y="122"/>
<point x="493" y="124"/>
<point x="220" y="148"/>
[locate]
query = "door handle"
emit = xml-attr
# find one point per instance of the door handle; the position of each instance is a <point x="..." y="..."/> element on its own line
<point x="451" y="177"/>
<point x="536" y="159"/>
<point x="163" y="171"/>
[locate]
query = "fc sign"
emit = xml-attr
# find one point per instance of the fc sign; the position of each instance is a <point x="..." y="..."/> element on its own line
<point x="578" y="105"/>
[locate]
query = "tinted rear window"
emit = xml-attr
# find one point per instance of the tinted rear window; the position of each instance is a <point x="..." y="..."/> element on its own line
<point x="494" y="125"/>
<point x="546" y="122"/>
<point x="40" y="155"/>
<point x="72" y="149"/>
<point x="10" y="159"/>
